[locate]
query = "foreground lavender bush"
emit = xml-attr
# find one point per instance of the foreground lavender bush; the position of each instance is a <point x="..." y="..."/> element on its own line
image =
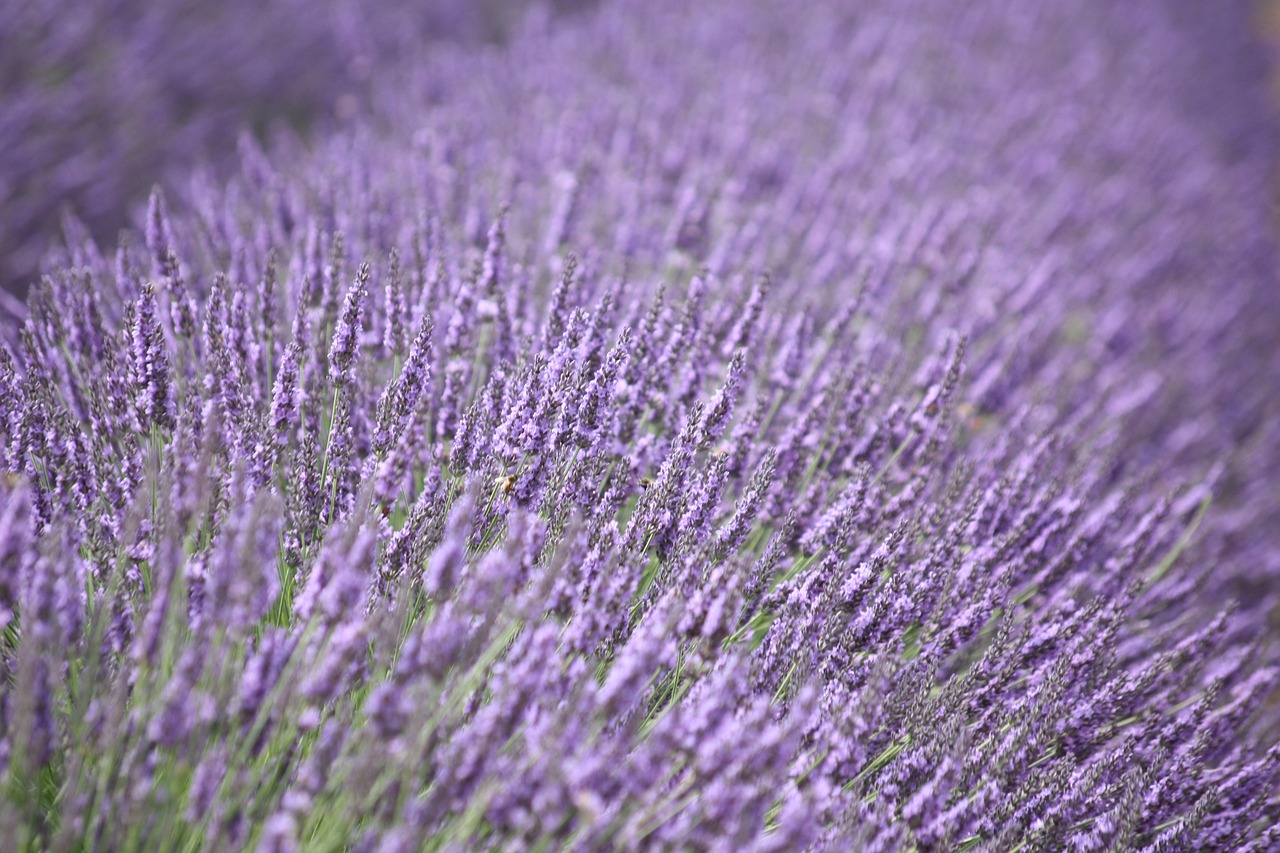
<point x="347" y="507"/>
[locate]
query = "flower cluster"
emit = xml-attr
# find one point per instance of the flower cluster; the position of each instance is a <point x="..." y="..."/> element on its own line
<point x="705" y="428"/>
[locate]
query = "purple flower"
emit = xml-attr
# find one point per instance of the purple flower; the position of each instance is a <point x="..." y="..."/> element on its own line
<point x="151" y="375"/>
<point x="346" y="336"/>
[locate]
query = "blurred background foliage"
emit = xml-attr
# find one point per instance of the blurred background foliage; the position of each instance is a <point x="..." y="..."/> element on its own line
<point x="102" y="99"/>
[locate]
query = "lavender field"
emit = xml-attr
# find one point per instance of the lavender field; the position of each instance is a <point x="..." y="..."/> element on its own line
<point x="640" y="425"/>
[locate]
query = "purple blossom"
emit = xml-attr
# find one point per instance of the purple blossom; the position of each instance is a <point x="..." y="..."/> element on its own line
<point x="346" y="336"/>
<point x="151" y="375"/>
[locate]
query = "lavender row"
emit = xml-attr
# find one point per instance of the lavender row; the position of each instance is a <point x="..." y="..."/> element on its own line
<point x="672" y="431"/>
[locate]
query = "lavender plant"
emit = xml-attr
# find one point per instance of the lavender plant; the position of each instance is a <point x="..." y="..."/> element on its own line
<point x="672" y="431"/>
